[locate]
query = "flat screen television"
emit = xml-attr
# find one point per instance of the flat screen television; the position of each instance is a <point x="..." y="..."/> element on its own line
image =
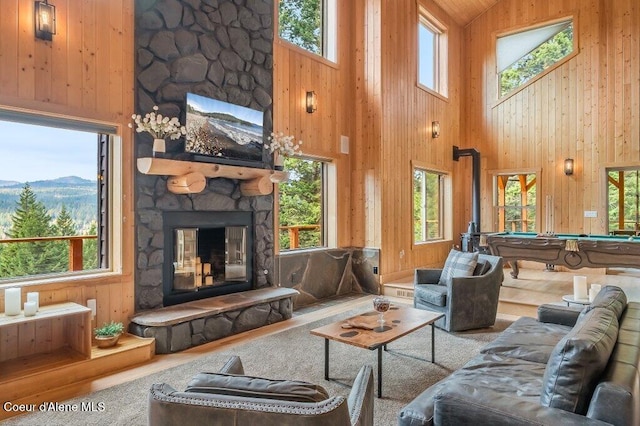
<point x="222" y="132"/>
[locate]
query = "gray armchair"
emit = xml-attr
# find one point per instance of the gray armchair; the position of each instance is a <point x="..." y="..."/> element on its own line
<point x="467" y="302"/>
<point x="231" y="398"/>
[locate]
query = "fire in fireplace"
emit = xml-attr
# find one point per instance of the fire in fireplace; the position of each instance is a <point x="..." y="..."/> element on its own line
<point x="206" y="254"/>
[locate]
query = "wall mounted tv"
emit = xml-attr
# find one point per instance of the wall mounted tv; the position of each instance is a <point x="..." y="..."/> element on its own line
<point x="222" y="132"/>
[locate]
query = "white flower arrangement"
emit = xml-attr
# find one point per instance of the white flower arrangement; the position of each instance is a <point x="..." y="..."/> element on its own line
<point x="158" y="126"/>
<point x="283" y="145"/>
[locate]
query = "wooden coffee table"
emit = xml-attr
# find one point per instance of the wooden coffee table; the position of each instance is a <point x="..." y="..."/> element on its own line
<point x="399" y="321"/>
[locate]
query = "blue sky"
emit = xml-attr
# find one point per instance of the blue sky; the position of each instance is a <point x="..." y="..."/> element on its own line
<point x="29" y="153"/>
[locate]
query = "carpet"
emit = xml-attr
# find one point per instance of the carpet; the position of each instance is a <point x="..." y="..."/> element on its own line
<point x="291" y="354"/>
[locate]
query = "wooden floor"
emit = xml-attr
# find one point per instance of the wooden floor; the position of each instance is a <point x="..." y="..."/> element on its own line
<point x="518" y="297"/>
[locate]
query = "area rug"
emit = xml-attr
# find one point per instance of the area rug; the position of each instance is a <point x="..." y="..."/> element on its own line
<point x="291" y="354"/>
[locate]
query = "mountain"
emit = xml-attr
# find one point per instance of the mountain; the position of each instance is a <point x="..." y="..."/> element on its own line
<point x="78" y="195"/>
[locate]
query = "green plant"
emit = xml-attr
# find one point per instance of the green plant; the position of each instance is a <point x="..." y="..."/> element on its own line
<point x="109" y="329"/>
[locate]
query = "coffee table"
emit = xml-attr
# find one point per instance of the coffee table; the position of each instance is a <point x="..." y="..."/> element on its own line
<point x="399" y="321"/>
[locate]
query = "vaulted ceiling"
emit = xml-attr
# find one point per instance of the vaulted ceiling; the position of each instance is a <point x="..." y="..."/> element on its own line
<point x="465" y="11"/>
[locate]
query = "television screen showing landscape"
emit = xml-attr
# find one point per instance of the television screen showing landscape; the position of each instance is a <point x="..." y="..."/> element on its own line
<point x="223" y="131"/>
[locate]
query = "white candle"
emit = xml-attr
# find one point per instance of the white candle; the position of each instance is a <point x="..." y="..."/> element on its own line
<point x="34" y="296"/>
<point x="592" y="295"/>
<point x="30" y="309"/>
<point x="12" y="301"/>
<point x="580" y="287"/>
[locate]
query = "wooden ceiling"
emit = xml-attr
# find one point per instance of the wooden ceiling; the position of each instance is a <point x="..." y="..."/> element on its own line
<point x="465" y="11"/>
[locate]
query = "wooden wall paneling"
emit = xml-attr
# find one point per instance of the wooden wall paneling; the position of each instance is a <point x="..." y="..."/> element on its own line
<point x="85" y="72"/>
<point x="583" y="109"/>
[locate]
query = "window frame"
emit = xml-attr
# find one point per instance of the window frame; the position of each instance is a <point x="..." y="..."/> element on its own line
<point x="328" y="215"/>
<point x="440" y="53"/>
<point x="538" y="220"/>
<point x="524" y="28"/>
<point x="607" y="171"/>
<point x="114" y="212"/>
<point x="442" y="197"/>
<point x="329" y="27"/>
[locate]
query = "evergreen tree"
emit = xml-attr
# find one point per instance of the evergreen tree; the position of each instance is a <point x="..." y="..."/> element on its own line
<point x="300" y="22"/>
<point x="29" y="220"/>
<point x="59" y="250"/>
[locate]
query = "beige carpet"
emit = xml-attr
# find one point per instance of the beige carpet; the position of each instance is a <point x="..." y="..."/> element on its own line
<point x="293" y="354"/>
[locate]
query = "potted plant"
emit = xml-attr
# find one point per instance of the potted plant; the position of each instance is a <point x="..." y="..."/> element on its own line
<point x="108" y="334"/>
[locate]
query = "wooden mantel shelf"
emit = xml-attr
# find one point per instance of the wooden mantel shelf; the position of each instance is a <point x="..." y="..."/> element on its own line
<point x="189" y="177"/>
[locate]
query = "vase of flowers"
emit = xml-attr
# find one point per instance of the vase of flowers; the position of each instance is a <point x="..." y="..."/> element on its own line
<point x="158" y="126"/>
<point x="282" y="146"/>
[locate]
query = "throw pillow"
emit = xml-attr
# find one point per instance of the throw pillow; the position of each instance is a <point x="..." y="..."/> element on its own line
<point x="612" y="298"/>
<point x="578" y="360"/>
<point x="256" y="387"/>
<point x="458" y="264"/>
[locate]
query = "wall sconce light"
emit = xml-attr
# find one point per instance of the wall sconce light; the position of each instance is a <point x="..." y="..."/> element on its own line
<point x="435" y="129"/>
<point x="568" y="166"/>
<point x="312" y="102"/>
<point x="44" y="20"/>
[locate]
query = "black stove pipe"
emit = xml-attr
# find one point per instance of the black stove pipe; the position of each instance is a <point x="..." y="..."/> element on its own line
<point x="475" y="182"/>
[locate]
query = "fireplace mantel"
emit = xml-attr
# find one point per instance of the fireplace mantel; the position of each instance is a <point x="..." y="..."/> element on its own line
<point x="189" y="177"/>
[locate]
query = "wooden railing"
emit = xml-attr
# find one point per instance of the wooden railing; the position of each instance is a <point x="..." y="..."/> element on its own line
<point x="75" y="246"/>
<point x="294" y="233"/>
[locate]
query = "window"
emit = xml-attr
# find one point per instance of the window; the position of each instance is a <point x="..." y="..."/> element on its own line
<point x="428" y="199"/>
<point x="516" y="202"/>
<point x="432" y="50"/>
<point x="526" y="54"/>
<point x="302" y="205"/>
<point x="624" y="201"/>
<point x="53" y="197"/>
<point x="309" y="24"/>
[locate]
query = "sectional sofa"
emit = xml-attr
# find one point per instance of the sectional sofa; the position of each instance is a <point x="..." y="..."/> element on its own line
<point x="569" y="366"/>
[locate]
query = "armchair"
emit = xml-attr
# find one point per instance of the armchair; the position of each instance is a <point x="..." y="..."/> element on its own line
<point x="231" y="398"/>
<point x="468" y="302"/>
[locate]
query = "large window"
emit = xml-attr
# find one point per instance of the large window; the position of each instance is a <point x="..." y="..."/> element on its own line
<point x="432" y="52"/>
<point x="53" y="198"/>
<point x="302" y="205"/>
<point x="516" y="202"/>
<point x="428" y="201"/>
<point x="309" y="24"/>
<point x="523" y="55"/>
<point x="624" y="201"/>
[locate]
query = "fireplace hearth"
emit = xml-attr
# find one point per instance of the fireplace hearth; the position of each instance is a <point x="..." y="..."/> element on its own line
<point x="207" y="253"/>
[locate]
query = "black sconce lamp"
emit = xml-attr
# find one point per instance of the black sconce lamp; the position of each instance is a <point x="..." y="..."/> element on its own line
<point x="435" y="129"/>
<point x="44" y="20"/>
<point x="568" y="166"/>
<point x="312" y="102"/>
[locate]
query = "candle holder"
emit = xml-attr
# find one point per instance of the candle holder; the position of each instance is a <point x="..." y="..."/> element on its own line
<point x="381" y="304"/>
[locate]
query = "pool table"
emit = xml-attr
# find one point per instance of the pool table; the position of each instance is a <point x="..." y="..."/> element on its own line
<point x="571" y="250"/>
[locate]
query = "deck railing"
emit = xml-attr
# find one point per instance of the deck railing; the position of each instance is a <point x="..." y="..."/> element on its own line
<point x="294" y="233"/>
<point x="75" y="246"/>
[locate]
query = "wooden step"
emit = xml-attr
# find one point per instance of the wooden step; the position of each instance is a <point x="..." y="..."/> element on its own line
<point x="38" y="378"/>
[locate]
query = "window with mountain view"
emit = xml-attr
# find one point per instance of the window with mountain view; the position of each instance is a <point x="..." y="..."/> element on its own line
<point x="310" y="25"/>
<point x="302" y="205"/>
<point x="523" y="55"/>
<point x="53" y="199"/>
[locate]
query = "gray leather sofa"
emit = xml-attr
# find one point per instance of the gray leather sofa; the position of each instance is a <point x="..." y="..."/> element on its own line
<point x="569" y="367"/>
<point x="231" y="398"/>
<point x="467" y="302"/>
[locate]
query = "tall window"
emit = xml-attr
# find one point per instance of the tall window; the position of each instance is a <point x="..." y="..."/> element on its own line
<point x="302" y="205"/>
<point x="428" y="199"/>
<point x="432" y="51"/>
<point x="524" y="55"/>
<point x="309" y="24"/>
<point x="516" y="202"/>
<point x="624" y="201"/>
<point x="53" y="198"/>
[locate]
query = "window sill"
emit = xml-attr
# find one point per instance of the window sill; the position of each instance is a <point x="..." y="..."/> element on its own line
<point x="432" y="92"/>
<point x="286" y="253"/>
<point x="299" y="50"/>
<point x="77" y="278"/>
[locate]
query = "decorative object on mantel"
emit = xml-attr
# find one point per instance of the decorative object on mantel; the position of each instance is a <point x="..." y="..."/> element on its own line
<point x="282" y="146"/>
<point x="159" y="127"/>
<point x="108" y="335"/>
